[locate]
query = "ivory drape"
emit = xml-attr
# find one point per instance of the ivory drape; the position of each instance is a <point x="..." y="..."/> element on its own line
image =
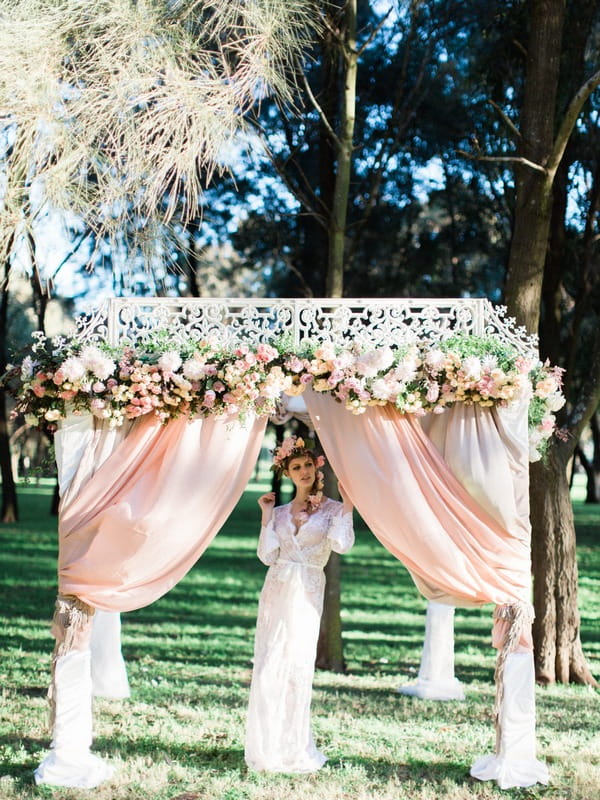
<point x="130" y="529"/>
<point x="402" y="487"/>
<point x="487" y="450"/>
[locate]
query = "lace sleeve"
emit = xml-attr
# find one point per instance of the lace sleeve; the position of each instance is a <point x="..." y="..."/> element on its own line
<point x="341" y="532"/>
<point x="268" y="544"/>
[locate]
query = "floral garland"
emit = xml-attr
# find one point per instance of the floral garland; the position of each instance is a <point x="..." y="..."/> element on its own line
<point x="168" y="379"/>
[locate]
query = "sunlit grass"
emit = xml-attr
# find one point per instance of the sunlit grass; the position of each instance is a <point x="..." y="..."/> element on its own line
<point x="189" y="664"/>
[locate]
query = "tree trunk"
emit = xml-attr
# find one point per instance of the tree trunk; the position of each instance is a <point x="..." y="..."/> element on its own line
<point x="339" y="208"/>
<point x="596" y="453"/>
<point x="10" y="509"/>
<point x="556" y="629"/>
<point x="534" y="186"/>
<point x="330" y="652"/>
<point x="558" y="649"/>
<point x="330" y="647"/>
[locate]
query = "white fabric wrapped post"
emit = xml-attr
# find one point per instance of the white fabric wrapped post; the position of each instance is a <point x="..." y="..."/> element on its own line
<point x="436" y="680"/>
<point x="515" y="763"/>
<point x="74" y="435"/>
<point x="70" y="762"/>
<point x="109" y="674"/>
<point x="91" y="665"/>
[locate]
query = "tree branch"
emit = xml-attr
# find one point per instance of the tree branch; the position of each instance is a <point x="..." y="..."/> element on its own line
<point x="506" y="119"/>
<point x="373" y="34"/>
<point x="505" y="159"/>
<point x="322" y="115"/>
<point x="569" y="120"/>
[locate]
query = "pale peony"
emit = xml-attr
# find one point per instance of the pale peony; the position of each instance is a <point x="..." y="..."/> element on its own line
<point x="345" y="360"/>
<point x="193" y="369"/>
<point x="266" y="352"/>
<point x="326" y="352"/>
<point x="52" y="415"/>
<point x="471" y="366"/>
<point x="73" y="369"/>
<point x="385" y="388"/>
<point x="547" y="425"/>
<point x="295" y="364"/>
<point x="548" y="385"/>
<point x="435" y="359"/>
<point x="97" y="362"/>
<point x="374" y="361"/>
<point x="406" y="370"/>
<point x="523" y="364"/>
<point x="170" y="361"/>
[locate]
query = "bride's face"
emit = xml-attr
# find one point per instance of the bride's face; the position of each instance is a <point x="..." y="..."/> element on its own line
<point x="302" y="472"/>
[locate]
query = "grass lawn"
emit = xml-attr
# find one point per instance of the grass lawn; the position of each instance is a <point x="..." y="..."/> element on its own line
<point x="189" y="663"/>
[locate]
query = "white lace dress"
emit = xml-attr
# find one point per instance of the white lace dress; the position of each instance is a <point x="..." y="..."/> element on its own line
<point x="278" y="731"/>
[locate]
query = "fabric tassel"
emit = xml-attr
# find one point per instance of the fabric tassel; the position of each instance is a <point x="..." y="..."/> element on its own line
<point x="72" y="630"/>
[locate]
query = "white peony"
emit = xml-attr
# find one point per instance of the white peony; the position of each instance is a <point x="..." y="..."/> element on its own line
<point x="374" y="361"/>
<point x="73" y="369"/>
<point x="435" y="359"/>
<point x="170" y="361"/>
<point x="193" y="369"/>
<point x="97" y="362"/>
<point x="471" y="366"/>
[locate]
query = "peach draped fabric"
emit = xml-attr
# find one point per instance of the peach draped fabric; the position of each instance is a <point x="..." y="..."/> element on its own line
<point x="130" y="529"/>
<point x="456" y="550"/>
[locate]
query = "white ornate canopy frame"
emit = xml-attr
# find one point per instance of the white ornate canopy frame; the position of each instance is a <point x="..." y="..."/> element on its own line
<point x="372" y="321"/>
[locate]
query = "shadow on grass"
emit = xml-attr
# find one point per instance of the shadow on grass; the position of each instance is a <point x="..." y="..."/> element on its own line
<point x="382" y="770"/>
<point x="22" y="771"/>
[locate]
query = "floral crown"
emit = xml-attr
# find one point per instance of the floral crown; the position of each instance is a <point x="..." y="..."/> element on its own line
<point x="292" y="447"/>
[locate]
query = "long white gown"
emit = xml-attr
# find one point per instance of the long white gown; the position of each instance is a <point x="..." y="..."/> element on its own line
<point x="278" y="732"/>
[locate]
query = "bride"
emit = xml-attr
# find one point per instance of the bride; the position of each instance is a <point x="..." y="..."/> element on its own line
<point x="295" y="540"/>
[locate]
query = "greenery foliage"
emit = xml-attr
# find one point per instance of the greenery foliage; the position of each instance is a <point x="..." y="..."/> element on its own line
<point x="180" y="736"/>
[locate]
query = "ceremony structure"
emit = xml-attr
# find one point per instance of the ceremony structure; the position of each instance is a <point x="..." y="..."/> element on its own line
<point x="428" y="411"/>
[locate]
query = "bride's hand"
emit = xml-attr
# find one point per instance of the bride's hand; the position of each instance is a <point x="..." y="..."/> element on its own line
<point x="267" y="502"/>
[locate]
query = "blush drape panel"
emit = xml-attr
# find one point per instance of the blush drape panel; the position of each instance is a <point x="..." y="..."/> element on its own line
<point x="408" y="496"/>
<point x="130" y="529"/>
